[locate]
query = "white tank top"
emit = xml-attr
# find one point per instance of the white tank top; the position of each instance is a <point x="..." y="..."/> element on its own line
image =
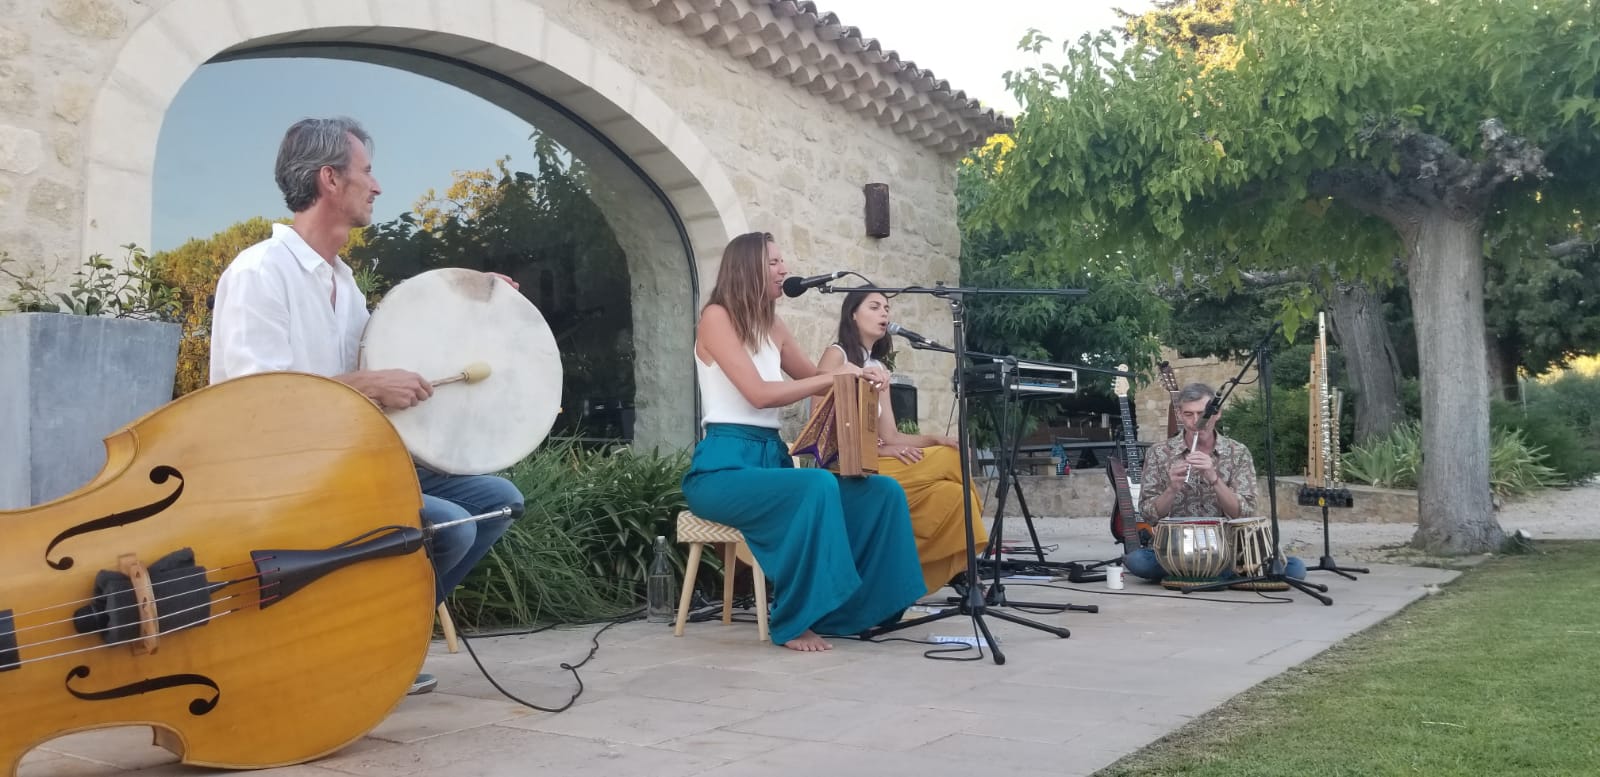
<point x="722" y="401"/>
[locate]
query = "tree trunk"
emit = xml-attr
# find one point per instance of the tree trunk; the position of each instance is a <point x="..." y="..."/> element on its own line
<point x="1502" y="369"/>
<point x="1455" y="513"/>
<point x="1369" y="356"/>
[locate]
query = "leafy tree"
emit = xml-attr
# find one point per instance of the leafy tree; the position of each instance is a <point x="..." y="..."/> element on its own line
<point x="1539" y="302"/>
<point x="1347" y="132"/>
<point x="1116" y="322"/>
<point x="1542" y="302"/>
<point x="1205" y="31"/>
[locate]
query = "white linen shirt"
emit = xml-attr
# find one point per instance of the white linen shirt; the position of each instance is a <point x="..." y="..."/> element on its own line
<point x="275" y="311"/>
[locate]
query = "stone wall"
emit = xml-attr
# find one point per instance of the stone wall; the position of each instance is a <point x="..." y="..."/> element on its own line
<point x="796" y="161"/>
<point x="799" y="165"/>
<point x="53" y="54"/>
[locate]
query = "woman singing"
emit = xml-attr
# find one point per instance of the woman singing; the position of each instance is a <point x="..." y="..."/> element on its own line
<point x="840" y="550"/>
<point x="928" y="467"/>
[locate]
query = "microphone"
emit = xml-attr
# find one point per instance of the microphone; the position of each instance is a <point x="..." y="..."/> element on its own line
<point x="794" y="286"/>
<point x="896" y="329"/>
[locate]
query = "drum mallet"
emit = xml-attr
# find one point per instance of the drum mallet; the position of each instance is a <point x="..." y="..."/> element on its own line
<point x="474" y="372"/>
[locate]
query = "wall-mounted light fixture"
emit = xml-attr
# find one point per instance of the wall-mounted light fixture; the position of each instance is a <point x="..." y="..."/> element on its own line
<point x="877" y="209"/>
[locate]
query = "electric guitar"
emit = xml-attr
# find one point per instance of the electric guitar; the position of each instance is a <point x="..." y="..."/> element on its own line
<point x="1126" y="525"/>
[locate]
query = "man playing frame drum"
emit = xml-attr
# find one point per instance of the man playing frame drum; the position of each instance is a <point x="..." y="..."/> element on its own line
<point x="1197" y="474"/>
<point x="290" y="303"/>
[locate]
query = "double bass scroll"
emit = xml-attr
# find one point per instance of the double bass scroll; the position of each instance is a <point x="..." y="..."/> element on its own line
<point x="842" y="433"/>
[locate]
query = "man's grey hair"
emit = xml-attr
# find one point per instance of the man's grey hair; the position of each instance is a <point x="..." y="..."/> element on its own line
<point x="1195" y="391"/>
<point x="307" y="147"/>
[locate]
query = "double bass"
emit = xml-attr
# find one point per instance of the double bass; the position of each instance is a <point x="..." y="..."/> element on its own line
<point x="246" y="576"/>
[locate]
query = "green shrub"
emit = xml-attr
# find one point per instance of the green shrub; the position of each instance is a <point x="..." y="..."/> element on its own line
<point x="583" y="546"/>
<point x="1244" y="420"/>
<point x="1568" y="403"/>
<point x="537" y="573"/>
<point x="1395" y="459"/>
<point x="614" y="501"/>
<point x="1387" y="461"/>
<point x="1515" y="466"/>
<point x="1544" y="425"/>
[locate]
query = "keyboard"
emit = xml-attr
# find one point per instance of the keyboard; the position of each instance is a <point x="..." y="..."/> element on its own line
<point x="1025" y="379"/>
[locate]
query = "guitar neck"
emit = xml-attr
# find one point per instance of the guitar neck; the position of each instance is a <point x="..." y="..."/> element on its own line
<point x="1130" y="441"/>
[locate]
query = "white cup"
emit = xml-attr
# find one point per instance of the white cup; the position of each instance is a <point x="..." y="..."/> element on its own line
<point x="1114" y="577"/>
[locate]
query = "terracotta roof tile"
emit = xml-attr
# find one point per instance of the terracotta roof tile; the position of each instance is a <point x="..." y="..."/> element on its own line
<point x="811" y="48"/>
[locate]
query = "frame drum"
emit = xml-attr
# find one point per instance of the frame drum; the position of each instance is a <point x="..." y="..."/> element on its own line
<point x="439" y="323"/>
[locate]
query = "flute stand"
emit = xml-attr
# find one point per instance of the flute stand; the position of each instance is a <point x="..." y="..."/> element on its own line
<point x="1326" y="497"/>
<point x="1275" y="566"/>
<point x="974" y="602"/>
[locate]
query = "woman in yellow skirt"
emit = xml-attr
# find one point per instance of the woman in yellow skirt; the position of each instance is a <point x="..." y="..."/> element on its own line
<point x="927" y="466"/>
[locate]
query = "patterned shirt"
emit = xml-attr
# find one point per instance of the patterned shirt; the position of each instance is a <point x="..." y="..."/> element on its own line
<point x="1198" y="499"/>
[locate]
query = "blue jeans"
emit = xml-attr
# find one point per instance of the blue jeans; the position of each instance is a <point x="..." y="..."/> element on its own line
<point x="457" y="549"/>
<point x="1142" y="563"/>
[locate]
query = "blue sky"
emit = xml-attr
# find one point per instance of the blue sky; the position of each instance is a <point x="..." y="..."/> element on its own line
<point x="216" y="149"/>
<point x="215" y="154"/>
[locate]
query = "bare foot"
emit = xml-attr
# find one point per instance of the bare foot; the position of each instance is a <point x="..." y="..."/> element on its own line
<point x="808" y="642"/>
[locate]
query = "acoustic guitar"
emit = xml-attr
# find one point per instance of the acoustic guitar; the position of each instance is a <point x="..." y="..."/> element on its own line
<point x="1126" y="525"/>
<point x="1169" y="381"/>
<point x="246" y="576"/>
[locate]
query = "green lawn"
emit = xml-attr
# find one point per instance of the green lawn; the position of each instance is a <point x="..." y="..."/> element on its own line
<point x="1499" y="674"/>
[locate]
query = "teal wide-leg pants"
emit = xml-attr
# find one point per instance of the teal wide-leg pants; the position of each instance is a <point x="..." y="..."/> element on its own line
<point x="840" y="551"/>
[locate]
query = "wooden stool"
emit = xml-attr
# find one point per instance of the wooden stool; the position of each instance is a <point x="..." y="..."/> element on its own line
<point x="449" y="627"/>
<point x="697" y="532"/>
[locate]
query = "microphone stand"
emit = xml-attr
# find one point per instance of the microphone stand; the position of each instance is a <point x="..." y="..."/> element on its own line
<point x="1005" y="468"/>
<point x="1275" y="567"/>
<point x="972" y="604"/>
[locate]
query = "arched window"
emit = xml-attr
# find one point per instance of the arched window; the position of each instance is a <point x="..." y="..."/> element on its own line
<point x="476" y="171"/>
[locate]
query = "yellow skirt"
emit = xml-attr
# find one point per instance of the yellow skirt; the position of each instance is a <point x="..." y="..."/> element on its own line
<point x="933" y="490"/>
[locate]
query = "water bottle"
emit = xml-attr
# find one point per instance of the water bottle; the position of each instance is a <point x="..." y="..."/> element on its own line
<point x="661" y="585"/>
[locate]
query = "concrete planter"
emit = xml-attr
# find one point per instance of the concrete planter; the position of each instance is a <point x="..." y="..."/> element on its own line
<point x="66" y="383"/>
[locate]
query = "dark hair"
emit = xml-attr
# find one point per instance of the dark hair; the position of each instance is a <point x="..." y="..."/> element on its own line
<point x="741" y="288"/>
<point x="850" y="336"/>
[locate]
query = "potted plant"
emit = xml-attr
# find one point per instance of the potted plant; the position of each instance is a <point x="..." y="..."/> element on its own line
<point x="77" y="366"/>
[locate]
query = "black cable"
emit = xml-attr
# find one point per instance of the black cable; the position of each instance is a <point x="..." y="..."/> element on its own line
<point x="933" y="655"/>
<point x="573" y="668"/>
<point x="1176" y="597"/>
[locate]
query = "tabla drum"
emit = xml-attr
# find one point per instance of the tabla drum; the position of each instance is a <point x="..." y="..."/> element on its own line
<point x="1192" y="549"/>
<point x="1251" y="540"/>
<point x="447" y="323"/>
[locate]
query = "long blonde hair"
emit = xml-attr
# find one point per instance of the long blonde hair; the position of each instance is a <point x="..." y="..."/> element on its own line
<point x="742" y="288"/>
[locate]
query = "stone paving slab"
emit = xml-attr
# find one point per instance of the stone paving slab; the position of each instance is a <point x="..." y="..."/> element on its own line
<point x="719" y="702"/>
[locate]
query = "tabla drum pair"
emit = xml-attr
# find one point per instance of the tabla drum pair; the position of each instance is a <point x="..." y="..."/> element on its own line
<point x="1200" y="550"/>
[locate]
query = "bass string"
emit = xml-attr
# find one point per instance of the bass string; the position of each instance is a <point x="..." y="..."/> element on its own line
<point x="77" y="602"/>
<point x="212" y="588"/>
<point x="124" y="641"/>
<point x="163" y="632"/>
